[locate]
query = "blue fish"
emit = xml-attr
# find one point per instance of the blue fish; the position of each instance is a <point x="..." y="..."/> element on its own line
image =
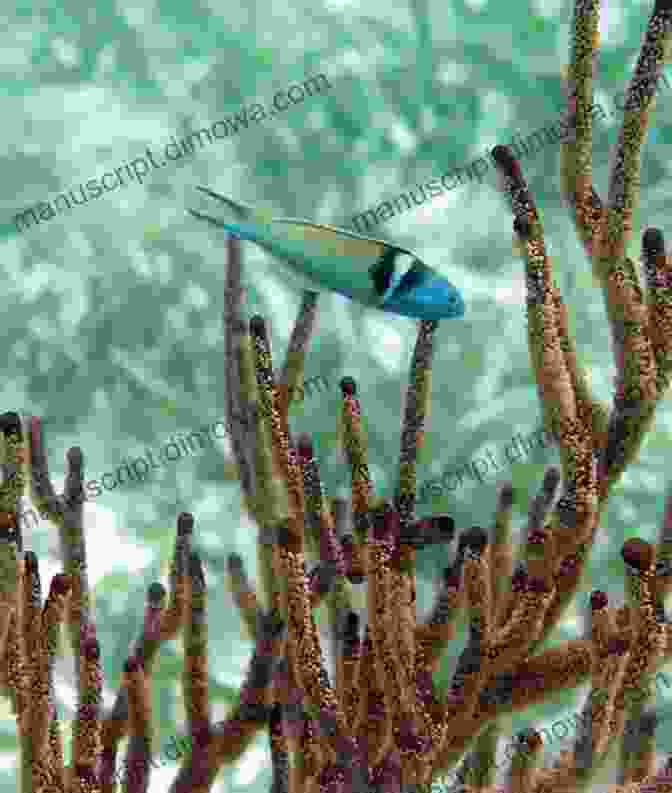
<point x="319" y="257"/>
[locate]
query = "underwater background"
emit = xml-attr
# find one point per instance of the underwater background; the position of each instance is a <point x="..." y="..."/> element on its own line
<point x="112" y="322"/>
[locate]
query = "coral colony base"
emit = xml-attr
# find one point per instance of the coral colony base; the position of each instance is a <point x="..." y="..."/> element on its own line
<point x="375" y="722"/>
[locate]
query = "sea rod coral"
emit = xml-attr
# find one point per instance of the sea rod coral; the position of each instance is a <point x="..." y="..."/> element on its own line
<point x="376" y="722"/>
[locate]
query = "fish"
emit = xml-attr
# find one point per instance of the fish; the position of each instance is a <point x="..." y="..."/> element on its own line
<point x="323" y="258"/>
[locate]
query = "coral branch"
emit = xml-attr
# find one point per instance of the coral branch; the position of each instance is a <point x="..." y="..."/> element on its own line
<point x="376" y="719"/>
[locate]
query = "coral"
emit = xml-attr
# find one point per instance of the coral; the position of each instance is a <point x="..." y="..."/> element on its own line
<point x="376" y="721"/>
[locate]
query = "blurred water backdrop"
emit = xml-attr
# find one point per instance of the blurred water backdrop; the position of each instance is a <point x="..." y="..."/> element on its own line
<point x="112" y="323"/>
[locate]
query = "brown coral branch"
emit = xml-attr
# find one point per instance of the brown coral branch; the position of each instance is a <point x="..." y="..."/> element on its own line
<point x="293" y="368"/>
<point x="139" y="751"/>
<point x="160" y="624"/>
<point x="244" y="596"/>
<point x="195" y="674"/>
<point x="525" y="762"/>
<point x="576" y="148"/>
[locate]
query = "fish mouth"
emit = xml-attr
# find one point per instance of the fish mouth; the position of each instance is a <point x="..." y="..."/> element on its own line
<point x="424" y="310"/>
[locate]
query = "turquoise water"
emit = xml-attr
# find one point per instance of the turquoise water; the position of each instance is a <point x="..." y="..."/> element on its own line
<point x="112" y="319"/>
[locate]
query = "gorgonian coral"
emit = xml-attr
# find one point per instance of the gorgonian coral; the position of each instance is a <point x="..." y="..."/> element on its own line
<point x="375" y="721"/>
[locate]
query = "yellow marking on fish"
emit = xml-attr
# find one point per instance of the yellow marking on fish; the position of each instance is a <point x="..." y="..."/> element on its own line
<point x="336" y="244"/>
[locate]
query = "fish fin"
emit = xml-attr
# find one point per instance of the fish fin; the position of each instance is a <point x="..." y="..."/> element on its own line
<point x="240" y="210"/>
<point x="318" y="227"/>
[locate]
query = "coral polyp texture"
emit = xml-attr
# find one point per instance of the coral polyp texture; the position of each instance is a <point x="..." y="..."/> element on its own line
<point x="374" y="721"/>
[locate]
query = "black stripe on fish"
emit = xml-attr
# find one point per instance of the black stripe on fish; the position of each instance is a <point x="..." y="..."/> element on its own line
<point x="382" y="271"/>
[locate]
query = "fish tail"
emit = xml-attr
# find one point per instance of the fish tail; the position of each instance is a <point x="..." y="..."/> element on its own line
<point x="242" y="232"/>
